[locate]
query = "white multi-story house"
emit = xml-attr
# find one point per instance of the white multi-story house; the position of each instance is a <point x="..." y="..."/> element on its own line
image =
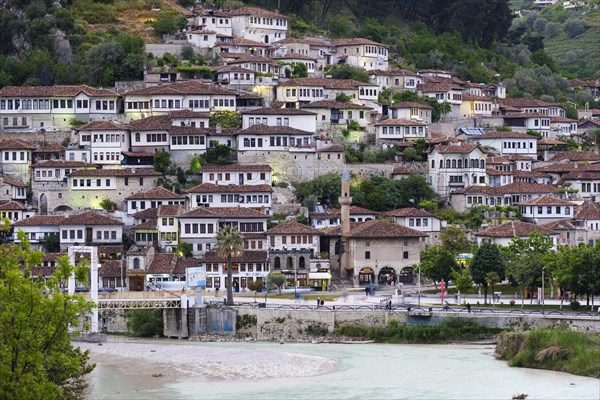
<point x="332" y="113"/>
<point x="15" y="159"/>
<point x="396" y="79"/>
<point x="248" y="196"/>
<point x="288" y="61"/>
<point x="52" y="108"/>
<point x="587" y="222"/>
<point x="265" y="138"/>
<point x="420" y="220"/>
<point x="91" y="229"/>
<point x="476" y="106"/>
<point x="562" y="126"/>
<point x="14" y="211"/>
<point x="505" y="195"/>
<point x="202" y="38"/>
<point x="523" y="122"/>
<point x="199" y="226"/>
<point x="301" y="91"/>
<point x="503" y="235"/>
<point x="456" y="166"/>
<point x="212" y="20"/>
<point x="37" y="228"/>
<point x="317" y="48"/>
<point x="332" y="217"/>
<point x="55" y="171"/>
<point x="443" y="92"/>
<point x="152" y="199"/>
<point x="400" y="130"/>
<point x="168" y="226"/>
<point x="230" y="49"/>
<point x="150" y="134"/>
<point x="507" y="143"/>
<point x="105" y="140"/>
<point x="546" y="209"/>
<point x="262" y="66"/>
<point x="12" y="189"/>
<point x="184" y="95"/>
<point x="234" y="75"/>
<point x="237" y="174"/>
<point x="258" y="24"/>
<point x="586" y="183"/>
<point x="361" y="53"/>
<point x="411" y="111"/>
<point x="250" y="267"/>
<point x="530" y="105"/>
<point x="292" y="117"/>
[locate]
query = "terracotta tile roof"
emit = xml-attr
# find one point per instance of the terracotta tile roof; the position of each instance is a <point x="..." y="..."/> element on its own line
<point x="50" y="148"/>
<point x="277" y="111"/>
<point x="54" y="91"/>
<point x="549" y="142"/>
<point x="137" y="154"/>
<point x="382" y="229"/>
<point x="188" y="114"/>
<point x="16" y="144"/>
<point x="183" y="263"/>
<point x="392" y="72"/>
<point x="504" y="135"/>
<point x="525" y="115"/>
<point x="244" y="58"/>
<point x="305" y="40"/>
<point x="588" y="210"/>
<point x="109" y="249"/>
<point x="582" y="175"/>
<point x="11" y="205"/>
<point x="188" y="130"/>
<point x="336" y="212"/>
<point x="437" y="138"/>
<point x="41" y="220"/>
<point x="147" y="225"/>
<point x="13" y="182"/>
<point x="90" y="218"/>
<point x="575" y="156"/>
<point x="400" y="122"/>
<point x="526" y="188"/>
<point x="487" y="190"/>
<point x="356" y="41"/>
<point x="245" y="257"/>
<point x="334" y="84"/>
<point x="256" y="11"/>
<point x="403" y="170"/>
<point x="335" y="104"/>
<point x="261" y="129"/>
<point x="295" y="56"/>
<point x="158" y="192"/>
<point x="292" y="227"/>
<point x="212" y="188"/>
<point x="121" y="172"/>
<point x="202" y="31"/>
<point x="234" y="68"/>
<point x="409" y="212"/>
<point x="521" y="102"/>
<point x="170" y="210"/>
<point x="545" y="201"/>
<point x="100" y="126"/>
<point x="223" y="212"/>
<point x="473" y="97"/>
<point x="436" y="87"/>
<point x="521" y="157"/>
<point x="62" y="164"/>
<point x="181" y="88"/>
<point x="498" y="160"/>
<point x="495" y="172"/>
<point x="147" y="213"/>
<point x="153" y="123"/>
<point x="410" y="104"/>
<point x="515" y="229"/>
<point x="112" y="268"/>
<point x="563" y="120"/>
<point x="334" y="148"/>
<point x="254" y="235"/>
<point x="163" y="263"/>
<point x="235" y="167"/>
<point x="565" y="167"/>
<point x="561" y="225"/>
<point x="458" y="149"/>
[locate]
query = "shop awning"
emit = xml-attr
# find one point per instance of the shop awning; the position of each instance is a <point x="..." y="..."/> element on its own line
<point x="319" y="275"/>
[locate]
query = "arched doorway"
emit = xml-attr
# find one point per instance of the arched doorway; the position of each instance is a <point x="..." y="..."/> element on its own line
<point x="301" y="263"/>
<point x="277" y="263"/>
<point x="387" y="276"/>
<point x="407" y="275"/>
<point x="289" y="263"/>
<point x="63" y="208"/>
<point x="266" y="38"/>
<point x="366" y="276"/>
<point x="43" y="204"/>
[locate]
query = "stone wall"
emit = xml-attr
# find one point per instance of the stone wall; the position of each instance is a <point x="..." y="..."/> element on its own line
<point x="113" y="321"/>
<point x="294" y="166"/>
<point x="37" y="137"/>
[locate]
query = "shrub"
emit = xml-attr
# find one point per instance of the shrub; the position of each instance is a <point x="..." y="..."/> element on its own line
<point x="145" y="322"/>
<point x="575" y="305"/>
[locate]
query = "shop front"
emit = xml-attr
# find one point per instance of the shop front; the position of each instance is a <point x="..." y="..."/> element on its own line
<point x="319" y="280"/>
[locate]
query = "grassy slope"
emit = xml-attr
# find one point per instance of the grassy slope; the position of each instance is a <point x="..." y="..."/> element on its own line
<point x="588" y="41"/>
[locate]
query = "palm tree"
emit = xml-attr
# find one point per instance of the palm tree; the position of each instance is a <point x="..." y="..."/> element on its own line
<point x="229" y="244"/>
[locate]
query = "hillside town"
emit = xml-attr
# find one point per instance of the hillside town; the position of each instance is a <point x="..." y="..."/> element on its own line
<point x="149" y="172"/>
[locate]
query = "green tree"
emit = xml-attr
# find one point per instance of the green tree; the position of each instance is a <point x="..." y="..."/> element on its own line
<point x="455" y="240"/>
<point x="184" y="249"/>
<point x="145" y="323"/>
<point x="226" y="119"/>
<point x="167" y="23"/>
<point x="487" y="259"/>
<point x="345" y="71"/>
<point x="585" y="279"/>
<point x="230" y="244"/>
<point x="52" y="243"/>
<point x="438" y="264"/>
<point x="525" y="260"/>
<point x="37" y="359"/>
<point x="462" y="280"/>
<point x="343" y="98"/>
<point x="219" y="153"/>
<point x="162" y="161"/>
<point x="276" y="279"/>
<point x="300" y="71"/>
<point x="108" y="205"/>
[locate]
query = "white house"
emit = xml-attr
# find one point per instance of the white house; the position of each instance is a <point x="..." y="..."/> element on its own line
<point x="15" y="159"/>
<point x="300" y="91"/>
<point x="152" y="199"/>
<point x="361" y="53"/>
<point x="503" y="234"/>
<point x="248" y="196"/>
<point x="411" y="111"/>
<point x="105" y="140"/>
<point x="456" y="166"/>
<point x="91" y="229"/>
<point x="202" y="38"/>
<point x="237" y="174"/>
<point x="332" y="113"/>
<point x="274" y="138"/>
<point x="38" y="227"/>
<point x="508" y="142"/>
<point x="292" y="117"/>
<point x="258" y="24"/>
<point x="420" y="220"/>
<point x="400" y="130"/>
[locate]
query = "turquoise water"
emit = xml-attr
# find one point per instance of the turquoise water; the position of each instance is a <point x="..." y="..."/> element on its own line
<point x="366" y="371"/>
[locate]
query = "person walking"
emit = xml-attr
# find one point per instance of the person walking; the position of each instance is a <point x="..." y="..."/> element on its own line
<point x="468" y="307"/>
<point x="318" y="301"/>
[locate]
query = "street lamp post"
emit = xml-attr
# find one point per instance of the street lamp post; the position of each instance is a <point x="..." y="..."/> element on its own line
<point x="543" y="268"/>
<point x="419" y="285"/>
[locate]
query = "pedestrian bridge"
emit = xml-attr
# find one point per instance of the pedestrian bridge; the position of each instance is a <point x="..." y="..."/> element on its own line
<point x="131" y="304"/>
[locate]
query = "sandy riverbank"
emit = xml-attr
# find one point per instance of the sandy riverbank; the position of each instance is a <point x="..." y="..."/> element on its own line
<point x="188" y="360"/>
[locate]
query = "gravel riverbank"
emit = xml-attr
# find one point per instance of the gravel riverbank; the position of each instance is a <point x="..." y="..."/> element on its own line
<point x="186" y="360"/>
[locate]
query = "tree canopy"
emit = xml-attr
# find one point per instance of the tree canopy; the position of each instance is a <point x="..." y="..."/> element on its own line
<point x="486" y="261"/>
<point x="37" y="359"/>
<point x="229" y="244"/>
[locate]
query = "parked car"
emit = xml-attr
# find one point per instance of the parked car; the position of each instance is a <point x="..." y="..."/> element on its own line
<point x="107" y="289"/>
<point x="81" y="289"/>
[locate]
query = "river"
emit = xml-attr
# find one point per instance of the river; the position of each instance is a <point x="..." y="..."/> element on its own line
<point x="169" y="369"/>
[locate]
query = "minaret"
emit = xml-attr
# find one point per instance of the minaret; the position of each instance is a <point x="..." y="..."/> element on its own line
<point x="345" y="201"/>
